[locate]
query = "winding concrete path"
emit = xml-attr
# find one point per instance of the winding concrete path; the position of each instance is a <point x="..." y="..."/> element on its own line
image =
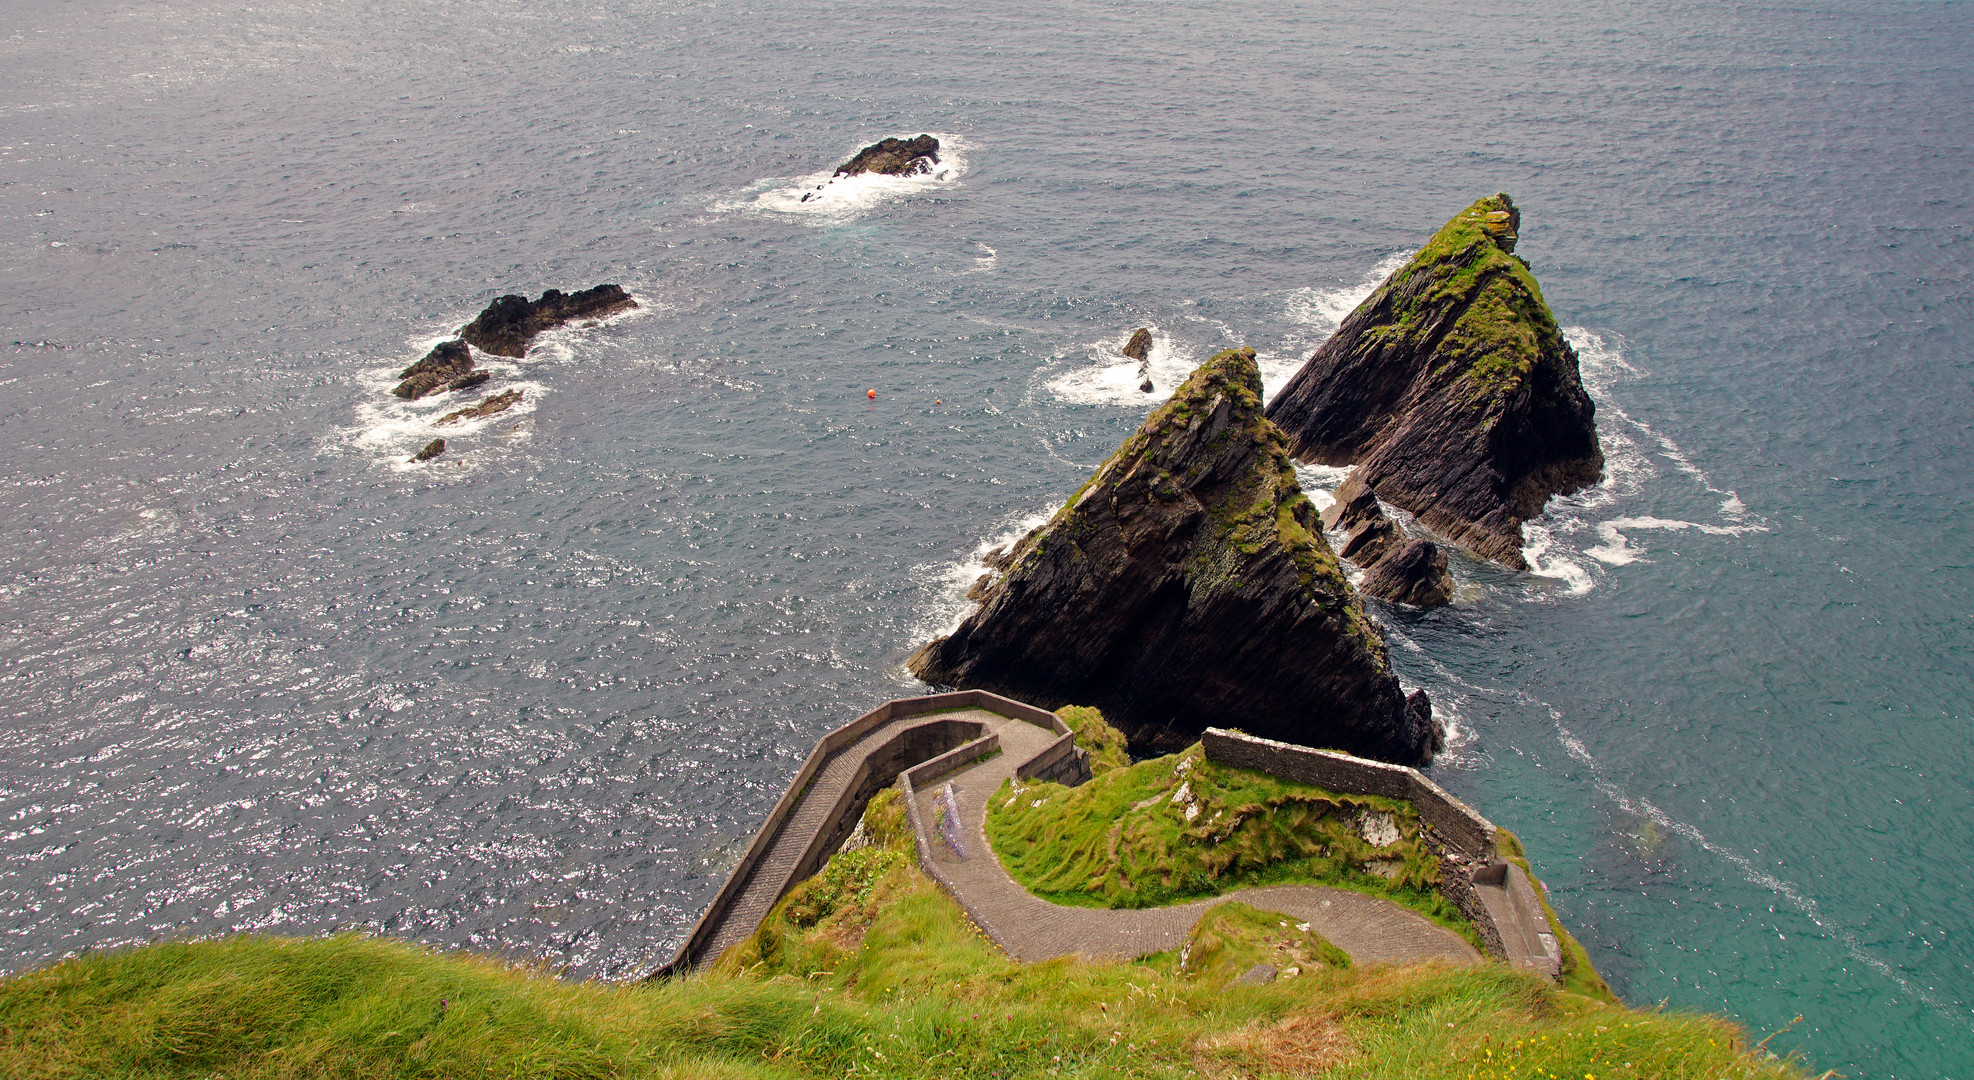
<point x="1026" y="927"/>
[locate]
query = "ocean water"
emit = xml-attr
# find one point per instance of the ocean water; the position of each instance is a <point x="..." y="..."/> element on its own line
<point x="259" y="673"/>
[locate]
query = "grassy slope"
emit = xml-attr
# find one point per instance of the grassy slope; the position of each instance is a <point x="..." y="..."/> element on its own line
<point x="885" y="979"/>
<point x="1122" y="841"/>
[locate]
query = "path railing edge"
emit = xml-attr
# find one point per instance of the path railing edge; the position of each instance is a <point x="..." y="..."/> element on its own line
<point x="828" y="745"/>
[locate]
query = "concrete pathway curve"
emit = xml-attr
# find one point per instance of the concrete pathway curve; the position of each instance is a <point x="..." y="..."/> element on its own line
<point x="1028" y="928"/>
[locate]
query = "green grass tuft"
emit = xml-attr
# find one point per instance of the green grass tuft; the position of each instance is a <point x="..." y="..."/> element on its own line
<point x="1105" y="744"/>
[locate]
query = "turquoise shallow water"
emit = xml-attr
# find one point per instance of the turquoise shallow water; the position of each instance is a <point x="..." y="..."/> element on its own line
<point x="258" y="675"/>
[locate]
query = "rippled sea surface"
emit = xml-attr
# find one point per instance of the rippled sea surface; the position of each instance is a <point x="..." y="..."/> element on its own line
<point x="259" y="673"/>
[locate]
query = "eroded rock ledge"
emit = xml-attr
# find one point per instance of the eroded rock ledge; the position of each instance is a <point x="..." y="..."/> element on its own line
<point x="1186" y="585"/>
<point x="1452" y="390"/>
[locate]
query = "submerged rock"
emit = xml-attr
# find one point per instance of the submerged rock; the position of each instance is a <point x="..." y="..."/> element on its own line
<point x="1452" y="390"/>
<point x="497" y="403"/>
<point x="1188" y="584"/>
<point x="894" y="157"/>
<point x="1414" y="572"/>
<point x="450" y="360"/>
<point x="432" y="449"/>
<point x="467" y="382"/>
<point x="508" y="324"/>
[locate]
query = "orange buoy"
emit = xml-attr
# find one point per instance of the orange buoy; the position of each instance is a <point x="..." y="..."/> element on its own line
<point x="936" y="401"/>
<point x="871" y="394"/>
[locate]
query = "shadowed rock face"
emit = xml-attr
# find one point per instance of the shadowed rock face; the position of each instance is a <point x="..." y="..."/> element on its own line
<point x="894" y="157"/>
<point x="1187" y="585"/>
<point x="1452" y="390"/>
<point x="508" y="324"/>
<point x="1139" y="347"/>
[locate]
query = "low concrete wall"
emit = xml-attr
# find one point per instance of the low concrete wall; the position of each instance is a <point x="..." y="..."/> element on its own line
<point x="1496" y="896"/>
<point x="872" y="777"/>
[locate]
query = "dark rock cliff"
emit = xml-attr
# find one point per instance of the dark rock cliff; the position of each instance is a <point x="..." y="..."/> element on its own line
<point x="1185" y="585"/>
<point x="893" y="157"/>
<point x="1452" y="390"/>
<point x="508" y="324"/>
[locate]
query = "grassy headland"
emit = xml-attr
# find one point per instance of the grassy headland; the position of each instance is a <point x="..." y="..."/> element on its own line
<point x="869" y="970"/>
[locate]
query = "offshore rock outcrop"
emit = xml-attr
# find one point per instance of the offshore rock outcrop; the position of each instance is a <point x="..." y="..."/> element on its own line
<point x="1187" y="584"/>
<point x="449" y="362"/>
<point x="894" y="157"/>
<point x="508" y="324"/>
<point x="1452" y="390"/>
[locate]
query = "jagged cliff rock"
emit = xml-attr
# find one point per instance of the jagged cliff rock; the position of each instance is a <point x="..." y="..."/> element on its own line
<point x="1413" y="572"/>
<point x="449" y="361"/>
<point x="1452" y="390"/>
<point x="1187" y="584"/>
<point x="893" y="157"/>
<point x="508" y="324"/>
<point x="1417" y="573"/>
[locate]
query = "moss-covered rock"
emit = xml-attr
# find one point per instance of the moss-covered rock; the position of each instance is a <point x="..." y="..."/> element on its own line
<point x="1453" y="391"/>
<point x="1186" y="585"/>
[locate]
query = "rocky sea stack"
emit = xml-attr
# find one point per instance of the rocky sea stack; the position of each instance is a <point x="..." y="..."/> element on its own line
<point x="894" y="157"/>
<point x="508" y="324"/>
<point x="1185" y="585"/>
<point x="1452" y="390"/>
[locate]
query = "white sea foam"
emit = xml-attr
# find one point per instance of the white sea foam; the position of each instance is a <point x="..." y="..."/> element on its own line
<point x="1105" y="376"/>
<point x="1616" y="549"/>
<point x="1545" y="560"/>
<point x="829" y="199"/>
<point x="984" y="264"/>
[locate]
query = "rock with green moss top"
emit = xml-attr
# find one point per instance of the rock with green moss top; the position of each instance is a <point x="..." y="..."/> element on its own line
<point x="1452" y="390"/>
<point x="1188" y="585"/>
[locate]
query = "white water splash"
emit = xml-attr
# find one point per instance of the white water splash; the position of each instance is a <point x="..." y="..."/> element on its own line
<point x="1105" y="376"/>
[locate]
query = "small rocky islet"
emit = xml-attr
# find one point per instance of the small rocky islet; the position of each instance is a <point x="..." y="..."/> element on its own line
<point x="505" y="328"/>
<point x="1191" y="580"/>
<point x="1453" y="391"/>
<point x="887" y="157"/>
